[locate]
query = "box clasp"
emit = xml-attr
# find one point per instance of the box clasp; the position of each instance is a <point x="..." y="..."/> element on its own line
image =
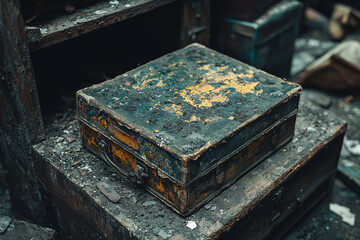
<point x="141" y="171"/>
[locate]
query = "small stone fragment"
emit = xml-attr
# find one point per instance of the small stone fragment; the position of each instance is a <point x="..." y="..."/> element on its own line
<point x="347" y="163"/>
<point x="311" y="129"/>
<point x="149" y="203"/>
<point x="278" y="171"/>
<point x="300" y="149"/>
<point x="353" y="146"/>
<point x="344" y="212"/>
<point x="207" y="206"/>
<point x="133" y="199"/>
<point x="191" y="224"/>
<point x="4" y="223"/>
<point x="100" y="12"/>
<point x="108" y="191"/>
<point x="163" y="234"/>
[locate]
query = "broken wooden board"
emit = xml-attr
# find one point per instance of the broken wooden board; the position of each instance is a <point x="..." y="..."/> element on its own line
<point x="338" y="69"/>
<point x="88" y="19"/>
<point x="20" y="114"/>
<point x="274" y="190"/>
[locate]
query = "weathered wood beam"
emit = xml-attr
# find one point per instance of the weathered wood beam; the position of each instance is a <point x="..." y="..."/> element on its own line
<point x="20" y="115"/>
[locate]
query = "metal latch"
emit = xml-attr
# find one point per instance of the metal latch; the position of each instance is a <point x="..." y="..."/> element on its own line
<point x="141" y="171"/>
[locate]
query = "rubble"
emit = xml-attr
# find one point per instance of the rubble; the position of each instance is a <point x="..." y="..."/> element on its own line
<point x="191" y="224"/>
<point x="108" y="191"/>
<point x="345" y="213"/>
<point x="4" y="223"/>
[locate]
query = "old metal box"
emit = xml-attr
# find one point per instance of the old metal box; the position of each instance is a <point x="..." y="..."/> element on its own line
<point x="245" y="9"/>
<point x="266" y="43"/>
<point x="188" y="124"/>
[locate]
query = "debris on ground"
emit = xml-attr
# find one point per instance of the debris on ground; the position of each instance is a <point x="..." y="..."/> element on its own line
<point x="191" y="224"/>
<point x="4" y="223"/>
<point x="345" y="213"/>
<point x="108" y="191"/>
<point x="338" y="69"/>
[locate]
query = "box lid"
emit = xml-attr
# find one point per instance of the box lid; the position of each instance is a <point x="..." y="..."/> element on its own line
<point x="190" y="100"/>
<point x="273" y="22"/>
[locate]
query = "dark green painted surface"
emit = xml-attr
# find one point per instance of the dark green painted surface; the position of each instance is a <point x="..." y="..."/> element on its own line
<point x="349" y="171"/>
<point x="193" y="104"/>
<point x="260" y="42"/>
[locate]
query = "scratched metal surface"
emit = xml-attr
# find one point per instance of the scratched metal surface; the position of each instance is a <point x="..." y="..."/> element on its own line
<point x="60" y="159"/>
<point x="189" y="99"/>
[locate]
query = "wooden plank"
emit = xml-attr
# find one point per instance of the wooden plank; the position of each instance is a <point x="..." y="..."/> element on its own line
<point x="70" y="176"/>
<point x="86" y="20"/>
<point x="20" y="115"/>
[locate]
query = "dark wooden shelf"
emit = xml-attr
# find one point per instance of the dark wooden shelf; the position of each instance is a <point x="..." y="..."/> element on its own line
<point x="85" y="20"/>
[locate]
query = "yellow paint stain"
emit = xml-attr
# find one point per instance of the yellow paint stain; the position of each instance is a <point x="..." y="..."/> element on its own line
<point x="176" y="64"/>
<point x="156" y="130"/>
<point x="259" y="92"/>
<point x="171" y="74"/>
<point x="100" y="120"/>
<point x="205" y="67"/>
<point x="205" y="94"/>
<point x="123" y="137"/>
<point x="231" y="118"/>
<point x="174" y="109"/>
<point x="208" y="120"/>
<point x="146" y="80"/>
<point x="193" y="119"/>
<point x="223" y="68"/>
<point x="160" y="83"/>
<point x="249" y="74"/>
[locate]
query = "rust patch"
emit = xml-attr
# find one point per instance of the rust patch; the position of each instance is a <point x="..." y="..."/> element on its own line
<point x="123" y="137"/>
<point x="166" y="188"/>
<point x="123" y="159"/>
<point x="101" y="120"/>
